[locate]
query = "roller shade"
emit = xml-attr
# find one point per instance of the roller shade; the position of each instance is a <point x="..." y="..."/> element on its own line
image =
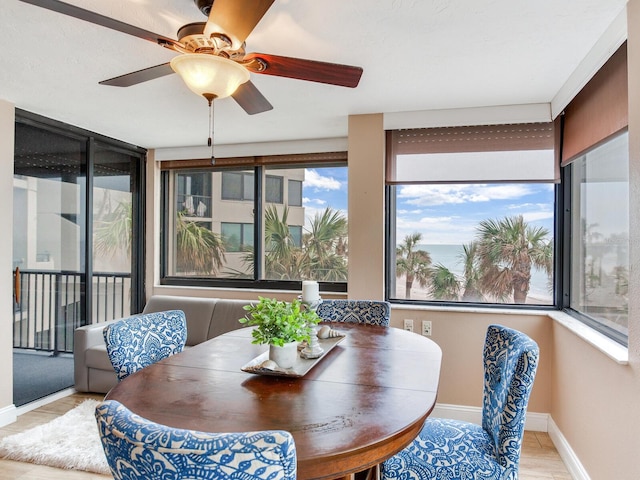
<point x="327" y="158"/>
<point x="486" y="153"/>
<point x="599" y="111"/>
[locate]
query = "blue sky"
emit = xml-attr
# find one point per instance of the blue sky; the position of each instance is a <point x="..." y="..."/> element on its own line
<point x="322" y="188"/>
<point x="449" y="214"/>
<point x="444" y="214"/>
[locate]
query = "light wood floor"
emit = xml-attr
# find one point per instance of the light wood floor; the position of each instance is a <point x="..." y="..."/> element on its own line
<point x="539" y="460"/>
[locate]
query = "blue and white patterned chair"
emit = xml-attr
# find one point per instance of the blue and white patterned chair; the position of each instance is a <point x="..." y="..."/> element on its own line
<point x="371" y="312"/>
<point x="455" y="450"/>
<point x="137" y="448"/>
<point x="138" y="341"/>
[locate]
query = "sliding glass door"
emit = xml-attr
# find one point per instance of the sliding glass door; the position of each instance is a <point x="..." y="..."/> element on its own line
<point x="77" y="245"/>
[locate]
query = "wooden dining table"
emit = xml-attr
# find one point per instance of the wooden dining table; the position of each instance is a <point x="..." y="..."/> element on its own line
<point x="364" y="401"/>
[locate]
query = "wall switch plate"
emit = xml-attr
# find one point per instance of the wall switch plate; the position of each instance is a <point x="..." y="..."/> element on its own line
<point x="426" y="328"/>
<point x="408" y="324"/>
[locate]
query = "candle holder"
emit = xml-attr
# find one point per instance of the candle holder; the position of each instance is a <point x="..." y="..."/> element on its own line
<point x="312" y="349"/>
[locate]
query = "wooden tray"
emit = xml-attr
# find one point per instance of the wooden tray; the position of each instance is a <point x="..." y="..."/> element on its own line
<point x="301" y="367"/>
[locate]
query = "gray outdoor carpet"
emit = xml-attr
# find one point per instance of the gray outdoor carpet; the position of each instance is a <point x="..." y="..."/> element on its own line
<point x="36" y="375"/>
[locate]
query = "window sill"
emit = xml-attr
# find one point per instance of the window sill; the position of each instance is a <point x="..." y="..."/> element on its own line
<point x="612" y="349"/>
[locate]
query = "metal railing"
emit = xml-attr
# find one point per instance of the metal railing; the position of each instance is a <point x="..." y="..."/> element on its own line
<point x="48" y="306"/>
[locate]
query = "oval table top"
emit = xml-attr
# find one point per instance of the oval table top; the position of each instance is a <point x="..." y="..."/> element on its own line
<point x="364" y="401"/>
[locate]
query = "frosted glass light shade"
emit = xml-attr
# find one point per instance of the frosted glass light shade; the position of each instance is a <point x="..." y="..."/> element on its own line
<point x="209" y="74"/>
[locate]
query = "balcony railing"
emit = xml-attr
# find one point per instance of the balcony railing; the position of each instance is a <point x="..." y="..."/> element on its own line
<point x="49" y="306"/>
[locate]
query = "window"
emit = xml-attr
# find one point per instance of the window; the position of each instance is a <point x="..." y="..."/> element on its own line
<point x="595" y="161"/>
<point x="274" y="189"/>
<point x="599" y="247"/>
<point x="471" y="215"/>
<point x="295" y="193"/>
<point x="237" y="236"/>
<point x="303" y="238"/>
<point x="237" y="186"/>
<point x="296" y="235"/>
<point x="194" y="194"/>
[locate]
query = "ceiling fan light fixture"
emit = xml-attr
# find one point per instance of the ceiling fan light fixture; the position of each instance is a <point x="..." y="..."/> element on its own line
<point x="207" y="74"/>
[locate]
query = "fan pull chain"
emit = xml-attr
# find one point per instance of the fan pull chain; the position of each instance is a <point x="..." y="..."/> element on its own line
<point x="210" y="99"/>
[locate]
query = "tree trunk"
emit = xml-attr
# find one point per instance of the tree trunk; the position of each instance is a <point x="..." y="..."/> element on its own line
<point x="521" y="282"/>
<point x="407" y="286"/>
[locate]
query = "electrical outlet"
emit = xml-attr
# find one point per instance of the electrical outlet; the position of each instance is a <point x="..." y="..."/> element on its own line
<point x="426" y="328"/>
<point x="408" y="324"/>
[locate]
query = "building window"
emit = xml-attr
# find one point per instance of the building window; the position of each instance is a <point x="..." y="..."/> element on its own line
<point x="296" y="235"/>
<point x="237" y="185"/>
<point x="299" y="240"/>
<point x="295" y="193"/>
<point x="274" y="189"/>
<point x="237" y="237"/>
<point x="471" y="215"/>
<point x="194" y="194"/>
<point x="599" y="240"/>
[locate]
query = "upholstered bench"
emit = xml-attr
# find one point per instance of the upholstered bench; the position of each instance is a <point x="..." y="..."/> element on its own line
<point x="206" y="318"/>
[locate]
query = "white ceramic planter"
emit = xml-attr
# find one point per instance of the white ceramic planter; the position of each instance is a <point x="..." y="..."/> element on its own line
<point x="284" y="356"/>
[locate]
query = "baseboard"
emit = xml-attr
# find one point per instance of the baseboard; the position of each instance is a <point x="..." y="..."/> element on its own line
<point x="535" y="422"/>
<point x="8" y="415"/>
<point x="45" y="400"/>
<point x="568" y="456"/>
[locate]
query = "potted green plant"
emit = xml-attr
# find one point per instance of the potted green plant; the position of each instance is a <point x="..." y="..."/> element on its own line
<point x="281" y="325"/>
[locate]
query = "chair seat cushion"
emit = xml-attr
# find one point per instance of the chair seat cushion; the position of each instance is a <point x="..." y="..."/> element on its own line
<point x="447" y="449"/>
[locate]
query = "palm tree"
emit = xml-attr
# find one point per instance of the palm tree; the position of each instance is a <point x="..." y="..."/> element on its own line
<point x="412" y="263"/>
<point x="113" y="232"/>
<point x="444" y="284"/>
<point x="322" y="256"/>
<point x="472" y="289"/>
<point x="283" y="258"/>
<point x="326" y="247"/>
<point x="507" y="249"/>
<point x="198" y="249"/>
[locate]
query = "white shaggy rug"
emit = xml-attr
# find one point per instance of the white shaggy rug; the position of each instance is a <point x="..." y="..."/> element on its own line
<point x="70" y="441"/>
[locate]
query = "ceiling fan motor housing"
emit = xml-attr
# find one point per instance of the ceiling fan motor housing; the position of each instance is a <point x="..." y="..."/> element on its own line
<point x="204" y="6"/>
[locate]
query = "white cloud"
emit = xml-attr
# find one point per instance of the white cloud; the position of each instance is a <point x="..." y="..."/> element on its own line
<point x="446" y="229"/>
<point x="307" y="202"/>
<point x="539" y="215"/>
<point x="313" y="179"/>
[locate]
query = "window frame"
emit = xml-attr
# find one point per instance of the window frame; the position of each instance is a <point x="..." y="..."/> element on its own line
<point x="257" y="164"/>
<point x="564" y="289"/>
<point x="478" y="138"/>
<point x="390" y="257"/>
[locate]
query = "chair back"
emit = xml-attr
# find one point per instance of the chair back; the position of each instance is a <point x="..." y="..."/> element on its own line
<point x="371" y="312"/>
<point x="137" y="448"/>
<point x="138" y="341"/>
<point x="510" y="363"/>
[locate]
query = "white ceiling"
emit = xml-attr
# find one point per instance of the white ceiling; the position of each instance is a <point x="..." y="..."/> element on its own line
<point x="416" y="55"/>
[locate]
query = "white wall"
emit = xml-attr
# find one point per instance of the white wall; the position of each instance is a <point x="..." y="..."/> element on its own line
<point x="7" y="135"/>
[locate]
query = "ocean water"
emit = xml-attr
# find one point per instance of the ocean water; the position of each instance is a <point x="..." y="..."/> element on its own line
<point x="451" y="256"/>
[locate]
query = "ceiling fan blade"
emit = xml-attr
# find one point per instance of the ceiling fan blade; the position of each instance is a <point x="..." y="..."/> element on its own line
<point x="310" y="70"/>
<point x="96" y="18"/>
<point x="236" y="18"/>
<point x="139" y="76"/>
<point x="250" y="99"/>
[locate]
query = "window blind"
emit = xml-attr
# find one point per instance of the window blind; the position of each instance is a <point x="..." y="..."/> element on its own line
<point x="486" y="153"/>
<point x="599" y="111"/>
<point x="326" y="158"/>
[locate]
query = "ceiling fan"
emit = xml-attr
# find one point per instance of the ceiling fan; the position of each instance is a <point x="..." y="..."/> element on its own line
<point x="219" y="40"/>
